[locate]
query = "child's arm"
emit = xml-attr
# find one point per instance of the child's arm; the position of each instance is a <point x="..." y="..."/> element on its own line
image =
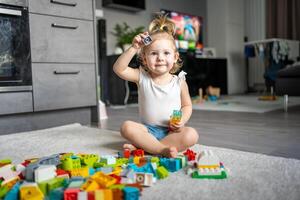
<point x="186" y="103"/>
<point x="121" y="67"/>
<point x="186" y="108"/>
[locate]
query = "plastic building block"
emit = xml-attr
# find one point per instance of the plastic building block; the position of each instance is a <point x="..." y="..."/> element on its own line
<point x="83" y="172"/>
<point x="82" y="195"/>
<point x="209" y="173"/>
<point x="126" y="153"/>
<point x="50" y="160"/>
<point x="13" y="194"/>
<point x="176" y="116"/>
<point x="138" y="152"/>
<point x="90" y="185"/>
<point x="44" y="172"/>
<point x="145" y="179"/>
<point x="117" y="194"/>
<point x="89" y="159"/>
<point x="108" y="160"/>
<point x="5" y="162"/>
<point x="62" y="173"/>
<point x="103" y="180"/>
<point x="191" y="155"/>
<point x="8" y="172"/>
<point x="31" y="191"/>
<point x="170" y="163"/>
<point x="162" y="172"/>
<point x="182" y="160"/>
<point x="71" y="162"/>
<point x="56" y="194"/>
<point x="71" y="193"/>
<point x="75" y="184"/>
<point x="3" y="190"/>
<point x="103" y="194"/>
<point x="131" y="193"/>
<point x="207" y="159"/>
<point x="56" y="183"/>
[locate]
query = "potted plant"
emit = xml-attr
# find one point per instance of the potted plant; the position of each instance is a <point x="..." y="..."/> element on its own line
<point x="125" y="34"/>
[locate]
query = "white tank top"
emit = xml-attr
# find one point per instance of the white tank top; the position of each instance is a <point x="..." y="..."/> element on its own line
<point x="157" y="102"/>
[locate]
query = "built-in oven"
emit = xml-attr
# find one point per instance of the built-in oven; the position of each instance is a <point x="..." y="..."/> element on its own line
<point x="15" y="57"/>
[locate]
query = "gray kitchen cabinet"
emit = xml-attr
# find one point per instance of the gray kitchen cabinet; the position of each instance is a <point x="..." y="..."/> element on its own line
<point x="59" y="86"/>
<point x="15" y="102"/>
<point x="71" y="41"/>
<point x="80" y="9"/>
<point x="63" y="54"/>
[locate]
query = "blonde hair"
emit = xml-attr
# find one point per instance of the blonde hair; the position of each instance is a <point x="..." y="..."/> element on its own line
<point x="162" y="25"/>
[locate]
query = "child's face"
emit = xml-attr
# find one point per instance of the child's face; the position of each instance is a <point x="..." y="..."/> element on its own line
<point x="160" y="56"/>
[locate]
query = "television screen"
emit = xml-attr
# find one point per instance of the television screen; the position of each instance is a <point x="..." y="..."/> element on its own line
<point x="189" y="33"/>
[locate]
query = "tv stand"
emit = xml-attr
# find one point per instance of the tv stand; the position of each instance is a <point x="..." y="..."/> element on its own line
<point x="203" y="72"/>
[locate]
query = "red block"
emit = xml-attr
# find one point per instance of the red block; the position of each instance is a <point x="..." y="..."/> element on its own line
<point x="138" y="152"/>
<point x="126" y="153"/>
<point x="71" y="194"/>
<point x="191" y="155"/>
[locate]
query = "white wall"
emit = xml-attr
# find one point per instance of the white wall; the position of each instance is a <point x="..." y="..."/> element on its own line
<point x="143" y="18"/>
<point x="225" y="32"/>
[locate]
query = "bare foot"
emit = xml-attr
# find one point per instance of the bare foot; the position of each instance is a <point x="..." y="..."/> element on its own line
<point x="170" y="152"/>
<point x="129" y="146"/>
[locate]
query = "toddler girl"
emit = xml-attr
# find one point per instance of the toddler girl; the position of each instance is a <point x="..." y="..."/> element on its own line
<point x="159" y="92"/>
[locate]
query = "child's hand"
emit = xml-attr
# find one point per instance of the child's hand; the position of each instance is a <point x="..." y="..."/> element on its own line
<point x="176" y="127"/>
<point x="137" y="41"/>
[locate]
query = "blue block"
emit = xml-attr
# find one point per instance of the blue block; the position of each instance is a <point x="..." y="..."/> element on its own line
<point x="131" y="193"/>
<point x="56" y="194"/>
<point x="13" y="194"/>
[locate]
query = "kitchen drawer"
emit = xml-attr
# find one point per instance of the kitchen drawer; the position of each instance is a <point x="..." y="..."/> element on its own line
<point x="15" y="102"/>
<point x="56" y="39"/>
<point x="58" y="86"/>
<point x="80" y="9"/>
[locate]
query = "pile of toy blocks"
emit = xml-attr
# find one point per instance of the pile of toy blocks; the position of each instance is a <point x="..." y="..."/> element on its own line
<point x="89" y="176"/>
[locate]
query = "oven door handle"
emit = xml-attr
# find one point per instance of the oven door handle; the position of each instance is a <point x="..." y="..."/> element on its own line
<point x="63" y="26"/>
<point x="63" y="3"/>
<point x="65" y="72"/>
<point x="10" y="12"/>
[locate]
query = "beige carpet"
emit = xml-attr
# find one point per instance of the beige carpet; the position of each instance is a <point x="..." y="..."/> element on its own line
<point x="252" y="176"/>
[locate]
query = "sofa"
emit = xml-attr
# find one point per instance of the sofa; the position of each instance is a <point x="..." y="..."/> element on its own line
<point x="288" y="81"/>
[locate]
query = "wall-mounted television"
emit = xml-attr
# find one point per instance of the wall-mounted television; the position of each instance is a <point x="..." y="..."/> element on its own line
<point x="189" y="33"/>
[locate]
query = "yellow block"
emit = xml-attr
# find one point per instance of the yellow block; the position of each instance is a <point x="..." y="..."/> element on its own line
<point x="84" y="172"/>
<point x="31" y="193"/>
<point x="103" y="179"/>
<point x="208" y="166"/>
<point x="90" y="185"/>
<point x="103" y="194"/>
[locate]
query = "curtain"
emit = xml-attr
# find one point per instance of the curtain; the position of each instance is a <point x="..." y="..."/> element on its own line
<point x="283" y="19"/>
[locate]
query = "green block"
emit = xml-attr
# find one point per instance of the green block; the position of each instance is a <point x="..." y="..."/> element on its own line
<point x="89" y="159"/>
<point x="5" y="162"/>
<point x="162" y="172"/>
<point x="3" y="191"/>
<point x="122" y="161"/>
<point x="55" y="183"/>
<point x="98" y="164"/>
<point x="223" y="175"/>
<point x="43" y="187"/>
<point x="155" y="160"/>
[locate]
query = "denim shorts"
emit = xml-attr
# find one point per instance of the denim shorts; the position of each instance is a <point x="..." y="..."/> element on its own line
<point x="159" y="132"/>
